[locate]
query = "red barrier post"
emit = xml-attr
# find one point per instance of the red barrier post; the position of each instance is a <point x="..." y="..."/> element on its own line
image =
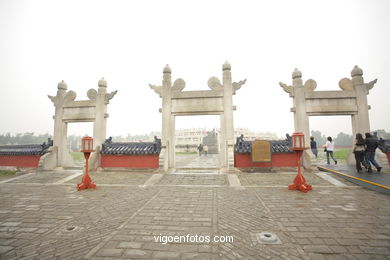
<point x="87" y="149"/>
<point x="299" y="147"/>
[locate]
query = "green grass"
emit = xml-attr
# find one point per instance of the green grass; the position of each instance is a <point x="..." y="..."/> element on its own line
<point x="77" y="156"/>
<point x="341" y="153"/>
<point x="4" y="173"/>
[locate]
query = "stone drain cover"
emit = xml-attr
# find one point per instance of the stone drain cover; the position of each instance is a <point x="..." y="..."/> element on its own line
<point x="268" y="238"/>
<point x="71" y="228"/>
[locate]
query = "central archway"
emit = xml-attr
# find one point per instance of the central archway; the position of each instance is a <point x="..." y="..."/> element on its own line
<point x="217" y="101"/>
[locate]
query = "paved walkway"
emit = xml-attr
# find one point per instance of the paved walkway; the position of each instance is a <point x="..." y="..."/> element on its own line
<point x="194" y="161"/>
<point x="43" y="216"/>
<point x="378" y="181"/>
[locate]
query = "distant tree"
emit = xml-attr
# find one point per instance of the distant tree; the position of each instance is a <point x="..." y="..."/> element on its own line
<point x="343" y="139"/>
<point x="382" y="134"/>
<point x="318" y="137"/>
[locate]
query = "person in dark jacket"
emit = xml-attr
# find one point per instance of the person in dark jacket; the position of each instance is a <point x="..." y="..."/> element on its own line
<point x="359" y="151"/>
<point x="313" y="146"/>
<point x="200" y="149"/>
<point x="371" y="145"/>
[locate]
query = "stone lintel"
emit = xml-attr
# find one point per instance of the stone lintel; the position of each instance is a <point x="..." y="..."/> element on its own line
<point x="198" y="110"/>
<point x="332" y="109"/>
<point x="328" y="113"/>
<point x="87" y="117"/>
<point x="197" y="94"/>
<point x="197" y="113"/>
<point x="81" y="103"/>
<point x="332" y="94"/>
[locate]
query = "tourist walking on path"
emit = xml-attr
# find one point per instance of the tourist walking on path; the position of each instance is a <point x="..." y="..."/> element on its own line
<point x="360" y="150"/>
<point x="371" y="145"/>
<point x="313" y="146"/>
<point x="205" y="149"/>
<point x="200" y="149"/>
<point x="329" y="148"/>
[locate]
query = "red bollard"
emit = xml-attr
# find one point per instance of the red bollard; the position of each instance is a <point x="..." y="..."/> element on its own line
<point x="87" y="148"/>
<point x="299" y="181"/>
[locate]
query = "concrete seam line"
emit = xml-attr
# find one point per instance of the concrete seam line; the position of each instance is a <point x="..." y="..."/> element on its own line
<point x="18" y="177"/>
<point x="68" y="178"/>
<point x="330" y="179"/>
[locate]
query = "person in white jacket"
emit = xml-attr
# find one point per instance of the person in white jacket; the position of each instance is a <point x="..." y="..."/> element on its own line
<point x="329" y="148"/>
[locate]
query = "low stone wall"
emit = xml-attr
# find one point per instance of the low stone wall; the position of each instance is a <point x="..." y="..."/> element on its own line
<point x="20" y="161"/>
<point x="277" y="160"/>
<point x="130" y="161"/>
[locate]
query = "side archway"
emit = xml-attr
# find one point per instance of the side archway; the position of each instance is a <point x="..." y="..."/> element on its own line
<point x="350" y="100"/>
<point x="68" y="110"/>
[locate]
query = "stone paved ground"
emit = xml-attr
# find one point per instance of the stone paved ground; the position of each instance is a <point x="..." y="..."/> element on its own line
<point x="43" y="216"/>
<point x="196" y="161"/>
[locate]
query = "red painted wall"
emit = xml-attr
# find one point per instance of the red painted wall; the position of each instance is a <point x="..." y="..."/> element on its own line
<point x="277" y="160"/>
<point x="27" y="161"/>
<point x="388" y="158"/>
<point x="129" y="161"/>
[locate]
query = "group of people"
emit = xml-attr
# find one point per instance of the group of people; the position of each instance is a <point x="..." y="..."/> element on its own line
<point x="328" y="148"/>
<point x="364" y="151"/>
<point x="203" y="149"/>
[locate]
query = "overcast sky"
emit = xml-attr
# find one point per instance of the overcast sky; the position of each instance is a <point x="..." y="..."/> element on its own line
<point x="129" y="43"/>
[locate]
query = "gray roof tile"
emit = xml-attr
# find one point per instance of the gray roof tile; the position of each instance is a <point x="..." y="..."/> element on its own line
<point x="131" y="148"/>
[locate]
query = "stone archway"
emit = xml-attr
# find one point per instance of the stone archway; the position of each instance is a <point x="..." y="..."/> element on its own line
<point x="350" y="100"/>
<point x="69" y="110"/>
<point x="217" y="101"/>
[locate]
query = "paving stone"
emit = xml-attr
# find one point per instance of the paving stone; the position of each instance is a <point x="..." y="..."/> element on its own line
<point x="135" y="252"/>
<point x="110" y="252"/>
<point x="166" y="255"/>
<point x="120" y="222"/>
<point x="4" y="249"/>
<point x="130" y="245"/>
<point x="10" y="224"/>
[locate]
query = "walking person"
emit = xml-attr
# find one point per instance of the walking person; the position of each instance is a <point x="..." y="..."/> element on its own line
<point x="371" y="145"/>
<point x="360" y="151"/>
<point x="200" y="149"/>
<point x="329" y="148"/>
<point x="313" y="146"/>
<point x="205" y="149"/>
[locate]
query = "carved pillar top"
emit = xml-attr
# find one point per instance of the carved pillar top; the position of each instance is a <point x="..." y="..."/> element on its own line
<point x="297" y="83"/>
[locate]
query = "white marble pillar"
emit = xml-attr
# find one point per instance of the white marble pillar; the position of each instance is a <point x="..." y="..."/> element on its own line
<point x="228" y="115"/>
<point x="58" y="125"/>
<point x="301" y="120"/>
<point x="222" y="143"/>
<point x="60" y="128"/>
<point x="166" y="118"/>
<point x="362" y="119"/>
<point x="100" y="124"/>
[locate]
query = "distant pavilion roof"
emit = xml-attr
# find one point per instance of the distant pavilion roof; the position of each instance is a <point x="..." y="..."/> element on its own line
<point x="26" y="149"/>
<point x="131" y="148"/>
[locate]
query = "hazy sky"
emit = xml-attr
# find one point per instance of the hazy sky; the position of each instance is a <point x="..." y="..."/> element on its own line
<point x="129" y="43"/>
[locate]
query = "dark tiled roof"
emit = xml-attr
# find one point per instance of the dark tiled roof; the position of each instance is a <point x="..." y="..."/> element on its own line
<point x="384" y="145"/>
<point x="25" y="149"/>
<point x="277" y="146"/>
<point x="131" y="148"/>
